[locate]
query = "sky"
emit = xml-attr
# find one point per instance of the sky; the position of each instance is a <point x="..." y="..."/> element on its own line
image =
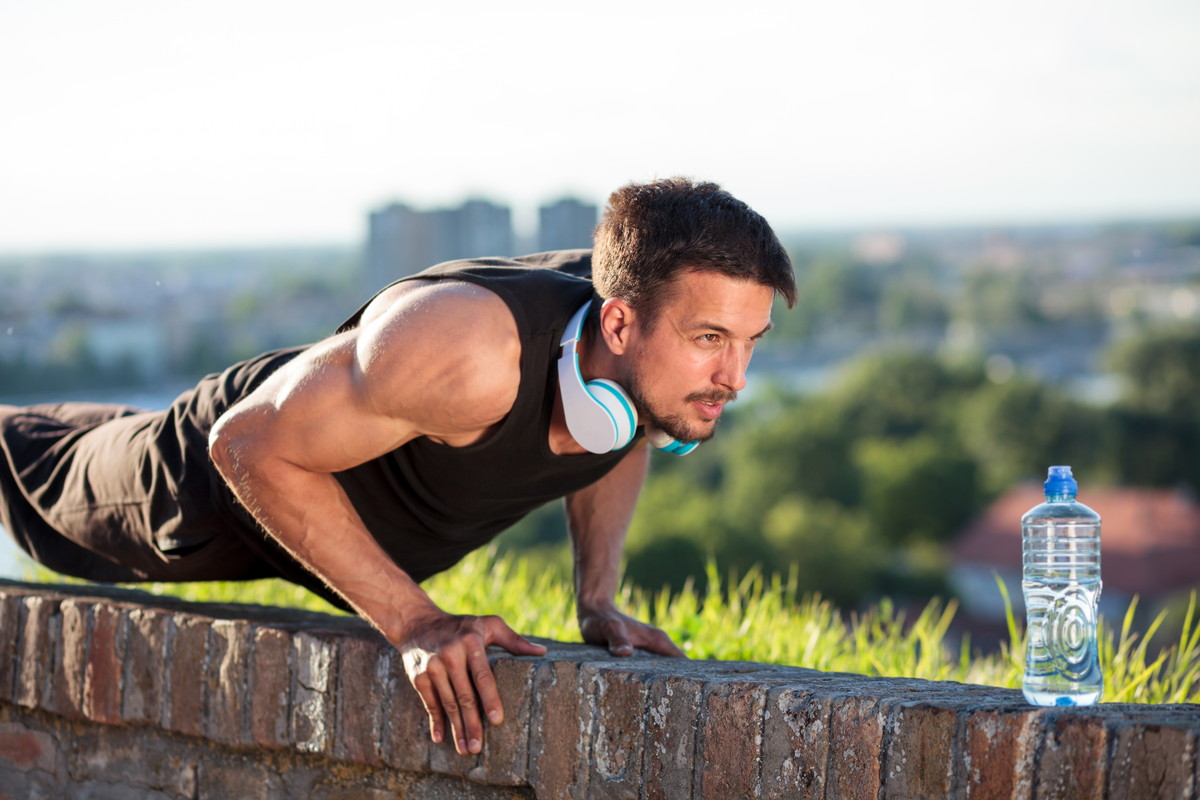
<point x="161" y="123"/>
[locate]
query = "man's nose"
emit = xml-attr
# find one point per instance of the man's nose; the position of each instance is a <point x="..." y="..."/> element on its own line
<point x="732" y="374"/>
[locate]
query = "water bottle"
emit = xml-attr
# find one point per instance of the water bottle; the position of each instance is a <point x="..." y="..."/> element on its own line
<point x="1060" y="542"/>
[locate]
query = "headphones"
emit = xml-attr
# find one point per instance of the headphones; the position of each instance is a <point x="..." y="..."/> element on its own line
<point x="599" y="413"/>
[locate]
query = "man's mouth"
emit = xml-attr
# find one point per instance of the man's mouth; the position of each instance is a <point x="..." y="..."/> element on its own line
<point x="711" y="404"/>
<point x="709" y="410"/>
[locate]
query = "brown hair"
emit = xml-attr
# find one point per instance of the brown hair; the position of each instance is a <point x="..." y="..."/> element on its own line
<point x="652" y="232"/>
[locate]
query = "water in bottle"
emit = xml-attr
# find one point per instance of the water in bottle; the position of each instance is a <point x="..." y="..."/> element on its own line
<point x="1061" y="583"/>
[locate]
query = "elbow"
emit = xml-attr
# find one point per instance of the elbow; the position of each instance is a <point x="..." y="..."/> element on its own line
<point x="223" y="446"/>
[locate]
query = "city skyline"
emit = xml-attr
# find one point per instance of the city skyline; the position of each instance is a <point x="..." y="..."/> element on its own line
<point x="138" y="124"/>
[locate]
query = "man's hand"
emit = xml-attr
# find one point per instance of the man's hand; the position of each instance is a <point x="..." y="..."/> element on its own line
<point x="445" y="657"/>
<point x="620" y="633"/>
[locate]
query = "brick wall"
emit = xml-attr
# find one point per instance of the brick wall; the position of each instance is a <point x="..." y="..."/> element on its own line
<point x="116" y="694"/>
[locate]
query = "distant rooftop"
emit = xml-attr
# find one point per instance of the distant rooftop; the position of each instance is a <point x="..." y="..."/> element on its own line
<point x="1150" y="538"/>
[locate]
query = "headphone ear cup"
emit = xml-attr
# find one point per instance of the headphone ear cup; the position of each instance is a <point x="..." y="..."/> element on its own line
<point x="667" y="443"/>
<point x="612" y="398"/>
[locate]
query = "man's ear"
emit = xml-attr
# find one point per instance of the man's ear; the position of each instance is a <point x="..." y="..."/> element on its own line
<point x="617" y="319"/>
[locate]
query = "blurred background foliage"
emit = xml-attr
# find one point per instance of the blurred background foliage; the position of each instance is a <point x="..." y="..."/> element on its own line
<point x="919" y="377"/>
<point x="858" y="480"/>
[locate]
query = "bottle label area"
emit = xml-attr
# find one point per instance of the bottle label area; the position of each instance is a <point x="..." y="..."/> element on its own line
<point x="1062" y="665"/>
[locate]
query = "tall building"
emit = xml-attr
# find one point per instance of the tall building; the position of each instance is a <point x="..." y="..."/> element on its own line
<point x="402" y="241"/>
<point x="566" y="224"/>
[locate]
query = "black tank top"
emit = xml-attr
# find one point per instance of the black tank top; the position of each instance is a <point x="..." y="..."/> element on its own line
<point x="429" y="504"/>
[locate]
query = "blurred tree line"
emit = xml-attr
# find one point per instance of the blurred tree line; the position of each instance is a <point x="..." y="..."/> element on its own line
<point x="858" y="486"/>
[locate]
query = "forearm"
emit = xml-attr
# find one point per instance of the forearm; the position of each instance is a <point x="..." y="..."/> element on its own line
<point x="598" y="518"/>
<point x="309" y="515"/>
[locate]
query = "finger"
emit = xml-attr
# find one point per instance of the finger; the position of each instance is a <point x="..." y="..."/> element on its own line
<point x="485" y="686"/>
<point x="656" y="641"/>
<point x="496" y="631"/>
<point x="617" y="635"/>
<point x="433" y="706"/>
<point x="468" y="737"/>
<point x="448" y="698"/>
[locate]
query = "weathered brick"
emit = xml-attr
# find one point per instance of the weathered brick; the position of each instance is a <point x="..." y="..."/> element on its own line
<point x="109" y="762"/>
<point x="1073" y="758"/>
<point x="406" y="732"/>
<point x="673" y="706"/>
<point x="998" y="753"/>
<point x="270" y="679"/>
<point x="187" y="649"/>
<point x="795" y="743"/>
<point x="313" y="701"/>
<point x="445" y="759"/>
<point x="731" y="723"/>
<point x="102" y="678"/>
<point x="362" y="705"/>
<point x="1153" y="762"/>
<point x="227" y="720"/>
<point x="37" y="673"/>
<point x="920" y="756"/>
<point x="243" y="778"/>
<point x="24" y="749"/>
<point x="505" y="758"/>
<point x="560" y="736"/>
<point x="364" y="793"/>
<point x="10" y="632"/>
<point x="145" y="654"/>
<point x="68" y="655"/>
<point x="855" y="747"/>
<point x="618" y="732"/>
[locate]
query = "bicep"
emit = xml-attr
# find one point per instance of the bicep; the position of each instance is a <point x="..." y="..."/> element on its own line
<point x="441" y="362"/>
<point x="314" y="413"/>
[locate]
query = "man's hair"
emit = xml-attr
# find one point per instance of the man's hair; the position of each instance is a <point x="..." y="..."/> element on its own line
<point x="650" y="233"/>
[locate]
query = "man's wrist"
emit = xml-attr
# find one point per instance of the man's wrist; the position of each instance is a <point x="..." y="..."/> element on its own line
<point x="408" y="616"/>
<point x="585" y="607"/>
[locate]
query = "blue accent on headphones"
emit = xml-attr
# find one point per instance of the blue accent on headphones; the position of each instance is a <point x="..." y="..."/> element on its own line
<point x="600" y="415"/>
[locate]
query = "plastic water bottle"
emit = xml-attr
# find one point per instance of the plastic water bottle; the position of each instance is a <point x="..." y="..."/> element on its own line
<point x="1061" y="581"/>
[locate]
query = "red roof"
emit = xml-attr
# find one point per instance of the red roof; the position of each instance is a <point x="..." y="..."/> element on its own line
<point x="1150" y="538"/>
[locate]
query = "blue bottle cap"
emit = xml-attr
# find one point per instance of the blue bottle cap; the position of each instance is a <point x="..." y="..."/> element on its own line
<point x="1059" y="482"/>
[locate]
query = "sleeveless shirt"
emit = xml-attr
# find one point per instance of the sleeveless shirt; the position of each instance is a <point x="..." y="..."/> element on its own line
<point x="429" y="504"/>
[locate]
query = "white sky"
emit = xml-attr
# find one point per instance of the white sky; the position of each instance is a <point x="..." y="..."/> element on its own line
<point x="140" y="123"/>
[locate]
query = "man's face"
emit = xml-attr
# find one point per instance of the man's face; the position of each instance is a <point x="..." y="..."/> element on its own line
<point x="692" y="360"/>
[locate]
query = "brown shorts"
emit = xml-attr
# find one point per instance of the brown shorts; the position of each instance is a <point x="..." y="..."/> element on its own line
<point x="80" y="494"/>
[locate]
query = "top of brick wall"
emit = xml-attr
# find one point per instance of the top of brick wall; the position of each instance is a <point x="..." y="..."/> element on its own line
<point x="580" y="724"/>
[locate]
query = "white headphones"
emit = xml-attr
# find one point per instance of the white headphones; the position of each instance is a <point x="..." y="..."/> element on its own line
<point x="599" y="414"/>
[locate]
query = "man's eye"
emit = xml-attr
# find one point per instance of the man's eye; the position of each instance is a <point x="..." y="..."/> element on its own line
<point x="710" y="337"/>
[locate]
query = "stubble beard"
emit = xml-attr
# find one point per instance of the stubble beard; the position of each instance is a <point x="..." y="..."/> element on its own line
<point x="678" y="426"/>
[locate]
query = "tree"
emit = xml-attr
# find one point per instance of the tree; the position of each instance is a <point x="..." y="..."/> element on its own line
<point x="801" y="448"/>
<point x="1161" y="371"/>
<point x="1015" y="429"/>
<point x="833" y="549"/>
<point x="918" y="489"/>
<point x="996" y="299"/>
<point x="900" y="393"/>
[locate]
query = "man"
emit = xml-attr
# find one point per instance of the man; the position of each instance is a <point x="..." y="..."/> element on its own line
<point x="449" y="406"/>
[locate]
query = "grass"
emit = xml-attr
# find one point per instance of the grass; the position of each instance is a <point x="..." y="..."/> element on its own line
<point x="766" y="619"/>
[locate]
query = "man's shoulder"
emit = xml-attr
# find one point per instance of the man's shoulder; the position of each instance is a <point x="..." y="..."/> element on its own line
<point x="536" y="280"/>
<point x="573" y="263"/>
<point x="443" y="344"/>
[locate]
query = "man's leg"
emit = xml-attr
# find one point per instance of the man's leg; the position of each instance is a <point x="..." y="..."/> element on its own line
<point x="79" y="493"/>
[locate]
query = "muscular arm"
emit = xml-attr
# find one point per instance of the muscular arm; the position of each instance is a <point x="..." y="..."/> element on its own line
<point x="598" y="518"/>
<point x="352" y="398"/>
